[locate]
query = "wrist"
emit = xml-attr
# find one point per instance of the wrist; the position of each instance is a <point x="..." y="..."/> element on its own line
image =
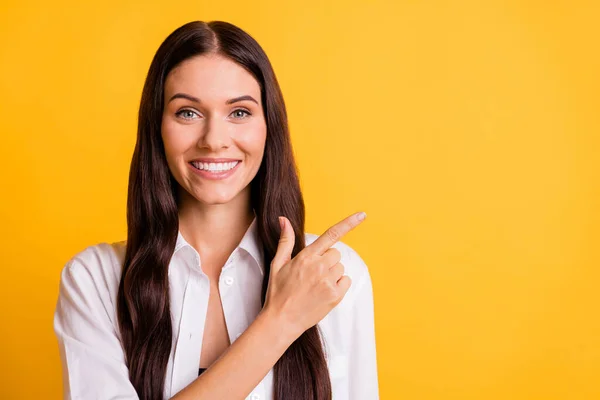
<point x="283" y="330"/>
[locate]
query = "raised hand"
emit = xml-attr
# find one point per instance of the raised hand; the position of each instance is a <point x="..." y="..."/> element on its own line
<point x="303" y="290"/>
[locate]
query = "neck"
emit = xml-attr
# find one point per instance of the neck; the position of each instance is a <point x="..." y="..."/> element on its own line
<point x="215" y="230"/>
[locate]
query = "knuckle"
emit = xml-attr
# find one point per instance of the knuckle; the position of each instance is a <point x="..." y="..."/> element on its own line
<point x="303" y="259"/>
<point x="330" y="289"/>
<point x="325" y="265"/>
<point x="333" y="234"/>
<point x="348" y="282"/>
<point x="315" y="271"/>
<point x="337" y="253"/>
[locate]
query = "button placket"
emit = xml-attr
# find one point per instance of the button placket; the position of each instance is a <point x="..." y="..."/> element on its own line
<point x="195" y="293"/>
<point x="226" y="276"/>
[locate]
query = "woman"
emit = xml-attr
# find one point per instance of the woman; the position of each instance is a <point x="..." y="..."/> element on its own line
<point x="213" y="296"/>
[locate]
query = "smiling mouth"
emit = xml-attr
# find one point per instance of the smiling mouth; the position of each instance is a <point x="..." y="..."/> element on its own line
<point x="214" y="168"/>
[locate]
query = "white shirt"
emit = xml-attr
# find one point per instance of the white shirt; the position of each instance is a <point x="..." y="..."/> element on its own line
<point x="93" y="361"/>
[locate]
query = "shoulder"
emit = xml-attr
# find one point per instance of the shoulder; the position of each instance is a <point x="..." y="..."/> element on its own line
<point x="95" y="269"/>
<point x="354" y="266"/>
<point x="102" y="259"/>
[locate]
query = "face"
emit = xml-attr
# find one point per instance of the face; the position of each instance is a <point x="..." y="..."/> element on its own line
<point x="213" y="129"/>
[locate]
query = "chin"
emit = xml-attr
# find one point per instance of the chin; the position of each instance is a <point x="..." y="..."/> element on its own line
<point x="214" y="198"/>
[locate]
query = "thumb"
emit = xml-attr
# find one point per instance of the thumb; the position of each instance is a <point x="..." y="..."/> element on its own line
<point x="285" y="246"/>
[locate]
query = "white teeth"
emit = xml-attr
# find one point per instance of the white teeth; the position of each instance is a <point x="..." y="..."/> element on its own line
<point x="215" y="167"/>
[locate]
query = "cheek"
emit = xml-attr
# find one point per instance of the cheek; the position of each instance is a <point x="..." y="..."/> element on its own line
<point x="174" y="141"/>
<point x="252" y="142"/>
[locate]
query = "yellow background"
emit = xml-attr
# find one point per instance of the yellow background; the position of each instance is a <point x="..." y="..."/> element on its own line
<point x="467" y="130"/>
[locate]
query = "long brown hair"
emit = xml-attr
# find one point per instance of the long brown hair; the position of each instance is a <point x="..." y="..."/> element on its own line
<point x="152" y="218"/>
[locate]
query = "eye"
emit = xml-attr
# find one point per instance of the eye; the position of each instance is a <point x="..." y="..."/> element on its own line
<point x="243" y="110"/>
<point x="185" y="110"/>
<point x="188" y="112"/>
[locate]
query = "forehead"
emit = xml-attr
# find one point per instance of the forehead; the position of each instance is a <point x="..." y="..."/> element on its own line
<point x="211" y="77"/>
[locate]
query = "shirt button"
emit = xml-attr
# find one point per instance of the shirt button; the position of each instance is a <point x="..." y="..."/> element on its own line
<point x="229" y="280"/>
<point x="255" y="396"/>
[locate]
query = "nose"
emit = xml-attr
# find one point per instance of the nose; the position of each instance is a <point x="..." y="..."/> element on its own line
<point x="216" y="135"/>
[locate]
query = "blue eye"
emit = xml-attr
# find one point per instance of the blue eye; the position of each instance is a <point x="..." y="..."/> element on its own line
<point x="187" y="110"/>
<point x="241" y="109"/>
<point x="178" y="113"/>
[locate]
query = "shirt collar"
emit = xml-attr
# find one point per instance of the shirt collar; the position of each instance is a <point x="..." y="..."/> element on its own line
<point x="251" y="243"/>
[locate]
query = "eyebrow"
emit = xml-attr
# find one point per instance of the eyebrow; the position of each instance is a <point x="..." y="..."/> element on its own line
<point x="197" y="100"/>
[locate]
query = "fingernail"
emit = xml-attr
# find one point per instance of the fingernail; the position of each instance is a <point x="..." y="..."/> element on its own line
<point x="281" y="223"/>
<point x="362" y="216"/>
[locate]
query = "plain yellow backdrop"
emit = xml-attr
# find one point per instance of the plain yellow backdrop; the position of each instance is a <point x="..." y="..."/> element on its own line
<point x="467" y="130"/>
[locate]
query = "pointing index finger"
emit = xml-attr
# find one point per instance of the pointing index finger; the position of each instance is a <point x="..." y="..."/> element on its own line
<point x="334" y="233"/>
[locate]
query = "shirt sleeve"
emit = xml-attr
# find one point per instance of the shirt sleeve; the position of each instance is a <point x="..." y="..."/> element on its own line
<point x="363" y="380"/>
<point x="93" y="361"/>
